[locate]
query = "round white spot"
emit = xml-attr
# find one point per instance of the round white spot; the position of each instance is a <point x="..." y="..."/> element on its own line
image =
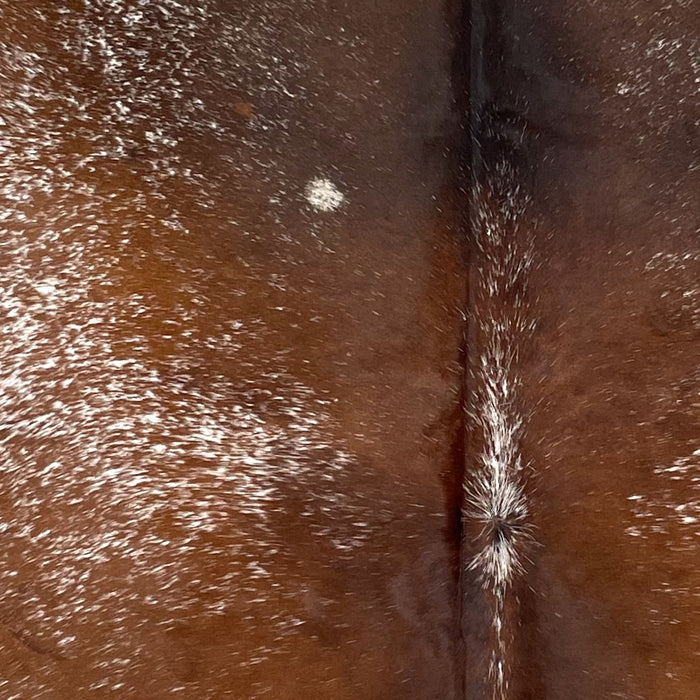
<point x="46" y="288"/>
<point x="323" y="195"/>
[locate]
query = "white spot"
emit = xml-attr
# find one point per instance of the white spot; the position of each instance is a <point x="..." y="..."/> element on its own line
<point x="323" y="195"/>
<point x="46" y="288"/>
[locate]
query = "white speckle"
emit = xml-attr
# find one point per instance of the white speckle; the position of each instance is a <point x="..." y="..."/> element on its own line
<point x="46" y="289"/>
<point x="323" y="195"/>
<point x="624" y="89"/>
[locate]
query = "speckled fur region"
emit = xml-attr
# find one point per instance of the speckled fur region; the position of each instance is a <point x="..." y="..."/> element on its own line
<point x="143" y="487"/>
<point x="495" y="497"/>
